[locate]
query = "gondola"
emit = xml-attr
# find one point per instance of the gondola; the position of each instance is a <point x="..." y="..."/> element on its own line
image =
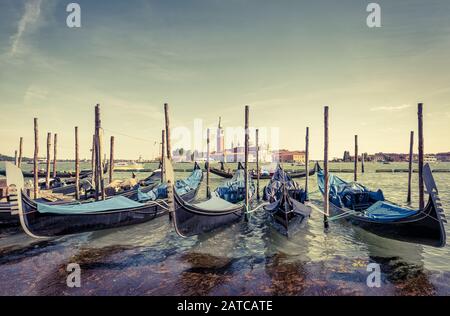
<point x="50" y="220"/>
<point x="287" y="210"/>
<point x="228" y="175"/>
<point x="145" y="185"/>
<point x="69" y="188"/>
<point x="223" y="208"/>
<point x="369" y="210"/>
<point x="59" y="174"/>
<point x="66" y="185"/>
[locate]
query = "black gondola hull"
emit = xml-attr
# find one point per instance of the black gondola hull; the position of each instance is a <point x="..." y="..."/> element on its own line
<point x="285" y="227"/>
<point x="227" y="175"/>
<point x="421" y="228"/>
<point x="288" y="216"/>
<point x="51" y="225"/>
<point x="188" y="220"/>
<point x="59" y="174"/>
<point x="189" y="224"/>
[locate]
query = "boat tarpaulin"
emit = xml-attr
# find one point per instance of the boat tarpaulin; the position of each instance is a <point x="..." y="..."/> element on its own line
<point x="384" y="211"/>
<point x="181" y="186"/>
<point x="114" y="203"/>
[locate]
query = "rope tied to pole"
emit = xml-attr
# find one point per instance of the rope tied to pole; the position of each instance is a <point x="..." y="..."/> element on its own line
<point x="258" y="207"/>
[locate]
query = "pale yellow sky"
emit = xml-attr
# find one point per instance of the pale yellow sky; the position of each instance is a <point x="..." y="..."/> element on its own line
<point x="286" y="59"/>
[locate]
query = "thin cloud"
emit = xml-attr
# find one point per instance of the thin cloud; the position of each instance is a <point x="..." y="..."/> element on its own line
<point x="34" y="94"/>
<point x="30" y="16"/>
<point x="391" y="108"/>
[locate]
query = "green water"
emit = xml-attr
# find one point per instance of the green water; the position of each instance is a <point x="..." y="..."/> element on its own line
<point x="244" y="259"/>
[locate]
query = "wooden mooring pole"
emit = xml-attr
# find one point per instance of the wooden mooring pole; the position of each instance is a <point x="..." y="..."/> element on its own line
<point x="35" y="160"/>
<point x="410" y="166"/>
<point x="111" y="159"/>
<point x="19" y="162"/>
<point x="166" y="112"/>
<point x="15" y="158"/>
<point x="326" y="202"/>
<point x="363" y="156"/>
<point x="93" y="163"/>
<point x="77" y="166"/>
<point x="421" y="154"/>
<point x="100" y="187"/>
<point x="307" y="162"/>
<point x="355" y="171"/>
<point x="55" y="142"/>
<point x="170" y="184"/>
<point x="257" y="164"/>
<point x="246" y="163"/>
<point x="208" y="195"/>
<point x="163" y="167"/>
<point x="47" y="175"/>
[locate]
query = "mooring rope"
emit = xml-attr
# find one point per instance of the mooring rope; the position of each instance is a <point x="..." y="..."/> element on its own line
<point x="257" y="208"/>
<point x="166" y="208"/>
<point x="130" y="136"/>
<point x="332" y="218"/>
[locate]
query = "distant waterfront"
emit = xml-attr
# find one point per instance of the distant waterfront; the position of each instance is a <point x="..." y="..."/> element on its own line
<point x="337" y="167"/>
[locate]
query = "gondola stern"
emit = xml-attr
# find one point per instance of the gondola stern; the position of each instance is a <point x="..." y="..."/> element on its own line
<point x="173" y="200"/>
<point x="16" y="198"/>
<point x="434" y="199"/>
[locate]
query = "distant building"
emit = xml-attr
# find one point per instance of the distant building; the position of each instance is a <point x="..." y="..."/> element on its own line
<point x="390" y="157"/>
<point x="444" y="157"/>
<point x="429" y="158"/>
<point x="289" y="156"/>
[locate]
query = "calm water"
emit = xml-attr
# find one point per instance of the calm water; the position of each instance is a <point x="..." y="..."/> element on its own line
<point x="245" y="259"/>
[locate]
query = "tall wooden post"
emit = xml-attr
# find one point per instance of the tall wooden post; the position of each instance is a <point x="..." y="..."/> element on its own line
<point x="77" y="166"/>
<point x="15" y="158"/>
<point x="410" y="165"/>
<point x="55" y="142"/>
<point x="362" y="163"/>
<point x="170" y="188"/>
<point x="19" y="162"/>
<point x="111" y="159"/>
<point x="93" y="163"/>
<point x="421" y="189"/>
<point x="163" y="167"/>
<point x="326" y="202"/>
<point x="166" y="113"/>
<point x="101" y="165"/>
<point x="47" y="177"/>
<point x="36" y="157"/>
<point x="100" y="186"/>
<point x="97" y="176"/>
<point x="246" y="163"/>
<point x="355" y="171"/>
<point x="307" y="162"/>
<point x="208" y="193"/>
<point x="257" y="164"/>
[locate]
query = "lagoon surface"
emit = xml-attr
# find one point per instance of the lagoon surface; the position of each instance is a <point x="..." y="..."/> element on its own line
<point x="244" y="259"/>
